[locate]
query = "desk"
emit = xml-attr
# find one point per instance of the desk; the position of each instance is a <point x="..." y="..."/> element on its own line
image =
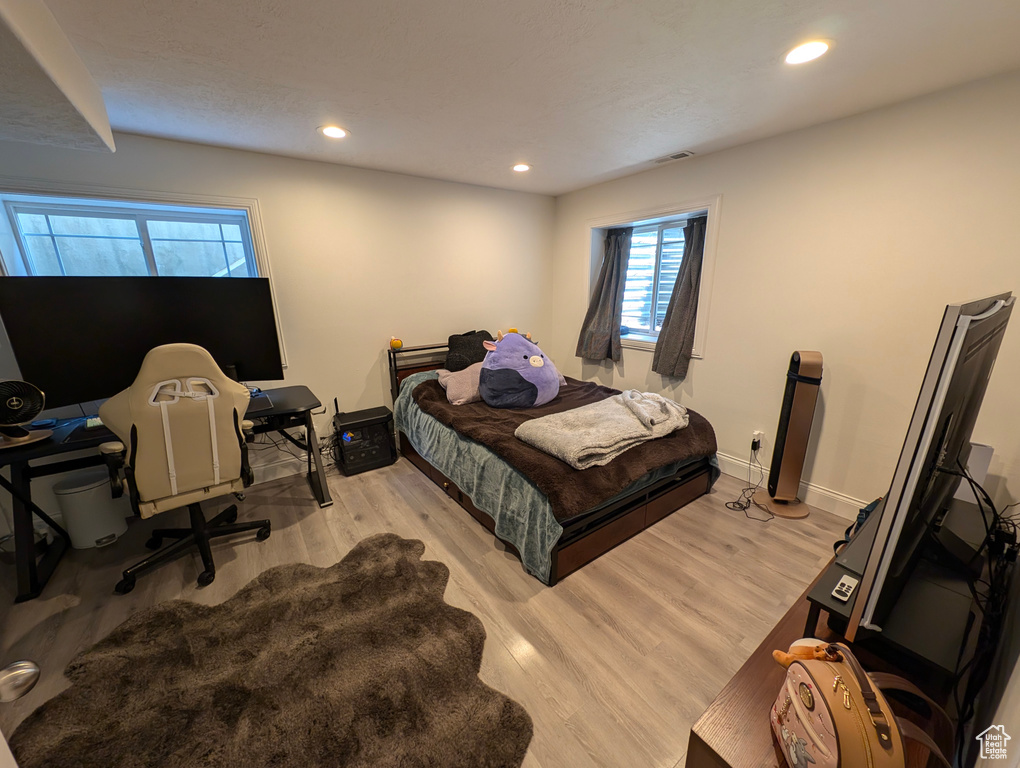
<point x="292" y="407"/>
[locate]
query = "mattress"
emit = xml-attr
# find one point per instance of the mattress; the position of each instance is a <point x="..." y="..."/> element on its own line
<point x="523" y="515"/>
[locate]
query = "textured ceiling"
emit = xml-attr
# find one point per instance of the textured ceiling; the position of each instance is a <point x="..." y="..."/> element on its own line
<point x="46" y="94"/>
<point x="584" y="90"/>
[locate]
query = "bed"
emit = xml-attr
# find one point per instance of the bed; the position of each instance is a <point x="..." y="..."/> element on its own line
<point x="555" y="519"/>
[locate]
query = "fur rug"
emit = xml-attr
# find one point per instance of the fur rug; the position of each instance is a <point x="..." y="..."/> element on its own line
<point x="358" y="664"/>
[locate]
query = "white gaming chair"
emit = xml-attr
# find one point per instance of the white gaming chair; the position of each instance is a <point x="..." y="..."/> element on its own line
<point x="182" y="441"/>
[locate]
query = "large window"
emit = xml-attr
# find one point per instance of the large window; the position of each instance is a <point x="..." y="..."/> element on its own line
<point x="64" y="236"/>
<point x="654" y="261"/>
<point x="656" y="252"/>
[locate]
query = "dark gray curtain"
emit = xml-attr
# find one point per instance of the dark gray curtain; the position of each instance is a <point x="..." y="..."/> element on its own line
<point x="600" y="334"/>
<point x="676" y="339"/>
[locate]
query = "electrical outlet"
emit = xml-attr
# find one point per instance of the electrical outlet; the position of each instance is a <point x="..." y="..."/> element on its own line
<point x="756" y="437"/>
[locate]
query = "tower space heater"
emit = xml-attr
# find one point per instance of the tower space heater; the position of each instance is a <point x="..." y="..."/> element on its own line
<point x="803" y="379"/>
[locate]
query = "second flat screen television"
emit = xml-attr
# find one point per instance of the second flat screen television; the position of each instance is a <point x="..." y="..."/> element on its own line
<point x="934" y="453"/>
<point x="84" y="338"/>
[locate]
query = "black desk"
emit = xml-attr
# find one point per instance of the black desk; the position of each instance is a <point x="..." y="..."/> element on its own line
<point x="292" y="407"/>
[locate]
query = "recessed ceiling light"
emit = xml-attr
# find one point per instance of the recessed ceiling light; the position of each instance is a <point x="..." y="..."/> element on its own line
<point x="807" y="52"/>
<point x="332" y="131"/>
<point x="522" y="167"/>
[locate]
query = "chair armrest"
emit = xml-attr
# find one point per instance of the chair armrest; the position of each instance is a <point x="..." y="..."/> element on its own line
<point x="248" y="434"/>
<point x="113" y="455"/>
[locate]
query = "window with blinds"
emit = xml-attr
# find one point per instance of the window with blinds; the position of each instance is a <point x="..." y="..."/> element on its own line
<point x="656" y="252"/>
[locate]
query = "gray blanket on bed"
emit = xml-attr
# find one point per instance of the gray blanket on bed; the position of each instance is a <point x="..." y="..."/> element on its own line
<point x="593" y="435"/>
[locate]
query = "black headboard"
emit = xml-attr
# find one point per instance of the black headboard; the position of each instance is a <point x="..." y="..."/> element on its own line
<point x="408" y="360"/>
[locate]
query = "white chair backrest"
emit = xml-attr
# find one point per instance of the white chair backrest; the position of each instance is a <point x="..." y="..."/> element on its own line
<point x="183" y="408"/>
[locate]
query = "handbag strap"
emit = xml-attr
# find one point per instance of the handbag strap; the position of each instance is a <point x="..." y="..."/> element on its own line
<point x="878" y="718"/>
<point x="940" y="720"/>
<point x="914" y="732"/>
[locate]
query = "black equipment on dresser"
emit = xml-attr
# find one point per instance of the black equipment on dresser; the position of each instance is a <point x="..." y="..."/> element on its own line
<point x="364" y="440"/>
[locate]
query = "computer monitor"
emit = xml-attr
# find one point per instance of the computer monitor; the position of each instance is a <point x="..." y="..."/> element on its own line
<point x="81" y="339"/>
<point x="937" y="445"/>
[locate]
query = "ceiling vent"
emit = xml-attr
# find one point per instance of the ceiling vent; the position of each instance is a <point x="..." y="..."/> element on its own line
<point x="675" y="156"/>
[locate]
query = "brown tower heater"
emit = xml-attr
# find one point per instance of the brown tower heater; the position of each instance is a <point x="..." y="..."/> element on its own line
<point x="802" y="382"/>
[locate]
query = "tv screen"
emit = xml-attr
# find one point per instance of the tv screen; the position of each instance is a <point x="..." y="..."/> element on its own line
<point x="83" y="338"/>
<point x="934" y="452"/>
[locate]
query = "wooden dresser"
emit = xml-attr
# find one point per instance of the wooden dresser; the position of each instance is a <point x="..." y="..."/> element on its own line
<point x="734" y="732"/>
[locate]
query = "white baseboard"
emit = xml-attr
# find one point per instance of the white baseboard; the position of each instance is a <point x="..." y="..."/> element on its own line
<point x="820" y="498"/>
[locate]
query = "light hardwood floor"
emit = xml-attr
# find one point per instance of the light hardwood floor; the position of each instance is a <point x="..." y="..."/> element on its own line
<point x="614" y="664"/>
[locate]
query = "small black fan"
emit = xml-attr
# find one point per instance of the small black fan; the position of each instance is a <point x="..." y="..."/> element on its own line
<point x="20" y="403"/>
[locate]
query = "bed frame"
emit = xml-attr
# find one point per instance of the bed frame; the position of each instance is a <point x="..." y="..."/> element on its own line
<point x="585" y="537"/>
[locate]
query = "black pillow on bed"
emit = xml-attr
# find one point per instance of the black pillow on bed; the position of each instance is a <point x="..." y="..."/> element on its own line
<point x="466" y="349"/>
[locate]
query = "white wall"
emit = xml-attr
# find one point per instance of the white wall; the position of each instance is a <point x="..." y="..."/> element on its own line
<point x="356" y="255"/>
<point x="849" y="238"/>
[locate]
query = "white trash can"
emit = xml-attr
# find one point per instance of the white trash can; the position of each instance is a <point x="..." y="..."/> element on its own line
<point x="92" y="517"/>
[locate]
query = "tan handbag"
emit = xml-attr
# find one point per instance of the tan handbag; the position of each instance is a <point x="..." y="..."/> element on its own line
<point x="831" y="714"/>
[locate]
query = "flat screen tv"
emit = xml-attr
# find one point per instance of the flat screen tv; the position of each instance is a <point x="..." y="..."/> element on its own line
<point x="81" y="339"/>
<point x="934" y="452"/>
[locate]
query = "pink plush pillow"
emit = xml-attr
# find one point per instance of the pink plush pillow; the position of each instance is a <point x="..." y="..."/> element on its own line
<point x="461" y="386"/>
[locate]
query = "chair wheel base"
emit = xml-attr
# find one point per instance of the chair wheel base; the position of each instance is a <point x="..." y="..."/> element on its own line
<point x="205" y="578"/>
<point x="154" y="543"/>
<point x="263" y="533"/>
<point x="232" y="517"/>
<point x="125" y="585"/>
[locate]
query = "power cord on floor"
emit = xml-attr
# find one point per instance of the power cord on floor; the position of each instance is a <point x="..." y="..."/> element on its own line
<point x="746" y="498"/>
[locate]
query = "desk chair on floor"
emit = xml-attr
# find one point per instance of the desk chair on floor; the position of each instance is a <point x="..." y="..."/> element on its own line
<point x="182" y="441"/>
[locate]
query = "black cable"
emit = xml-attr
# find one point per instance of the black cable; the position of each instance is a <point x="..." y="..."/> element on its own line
<point x="761" y="476"/>
<point x="270" y="442"/>
<point x="744" y="501"/>
<point x="332" y="448"/>
<point x="993" y="605"/>
<point x="979" y="498"/>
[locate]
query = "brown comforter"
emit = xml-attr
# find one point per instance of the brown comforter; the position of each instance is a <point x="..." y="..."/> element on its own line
<point x="570" y="491"/>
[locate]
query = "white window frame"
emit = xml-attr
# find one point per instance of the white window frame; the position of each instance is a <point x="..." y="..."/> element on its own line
<point x="140" y="214"/>
<point x="710" y="207"/>
<point x="18" y="189"/>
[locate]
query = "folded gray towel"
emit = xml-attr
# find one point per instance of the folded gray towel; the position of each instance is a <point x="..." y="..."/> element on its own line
<point x="594" y="435"/>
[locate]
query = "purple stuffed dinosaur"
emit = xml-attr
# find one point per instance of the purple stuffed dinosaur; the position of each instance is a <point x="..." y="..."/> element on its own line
<point x="516" y="374"/>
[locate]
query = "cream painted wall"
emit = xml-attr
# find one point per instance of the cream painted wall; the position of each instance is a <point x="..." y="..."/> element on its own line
<point x="849" y="238"/>
<point x="356" y="255"/>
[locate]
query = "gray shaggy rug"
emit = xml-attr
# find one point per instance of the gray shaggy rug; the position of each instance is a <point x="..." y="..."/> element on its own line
<point x="358" y="664"/>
